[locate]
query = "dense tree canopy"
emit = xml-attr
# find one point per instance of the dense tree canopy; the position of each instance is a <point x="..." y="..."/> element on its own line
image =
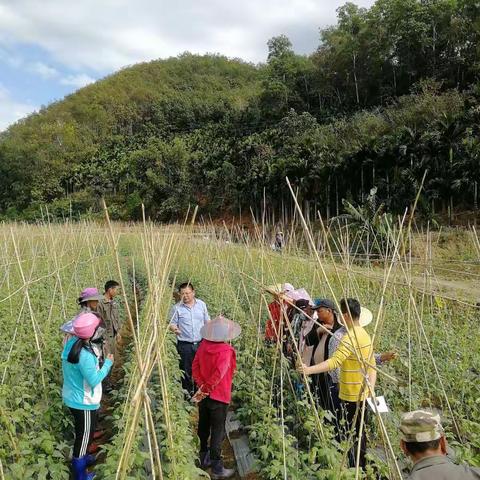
<point x="390" y="92"/>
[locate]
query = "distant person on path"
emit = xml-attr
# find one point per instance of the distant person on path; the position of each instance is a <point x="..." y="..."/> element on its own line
<point x="110" y="313"/>
<point x="213" y="371"/>
<point x="82" y="387"/>
<point x="354" y="375"/>
<point x="279" y="243"/>
<point x="186" y="318"/>
<point x="423" y="441"/>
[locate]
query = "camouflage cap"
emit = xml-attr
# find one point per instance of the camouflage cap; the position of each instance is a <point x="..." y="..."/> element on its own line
<point x="420" y="426"/>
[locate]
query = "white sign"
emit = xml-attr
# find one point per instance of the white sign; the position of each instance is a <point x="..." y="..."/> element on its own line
<point x="382" y="406"/>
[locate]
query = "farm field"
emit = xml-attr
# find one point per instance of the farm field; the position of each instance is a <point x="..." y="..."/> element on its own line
<point x="422" y="293"/>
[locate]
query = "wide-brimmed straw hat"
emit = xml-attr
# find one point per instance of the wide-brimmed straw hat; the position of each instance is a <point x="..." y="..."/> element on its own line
<point x="220" y="329"/>
<point x="366" y="317"/>
<point x="280" y="288"/>
<point x="277" y="288"/>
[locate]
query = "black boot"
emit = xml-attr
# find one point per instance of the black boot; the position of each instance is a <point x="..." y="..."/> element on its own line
<point x="219" y="471"/>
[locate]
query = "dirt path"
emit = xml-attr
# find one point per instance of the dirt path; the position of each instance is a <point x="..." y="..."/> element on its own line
<point x="466" y="289"/>
<point x="229" y="458"/>
<point x="227" y="453"/>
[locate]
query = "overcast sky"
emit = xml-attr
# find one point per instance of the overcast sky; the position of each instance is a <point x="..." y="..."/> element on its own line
<point x="49" y="48"/>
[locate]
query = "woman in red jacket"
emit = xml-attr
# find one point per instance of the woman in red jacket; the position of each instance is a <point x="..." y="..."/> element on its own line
<point x="276" y="310"/>
<point x="213" y="369"/>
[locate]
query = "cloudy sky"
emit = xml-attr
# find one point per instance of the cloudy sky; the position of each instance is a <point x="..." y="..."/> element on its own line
<point x="49" y="48"/>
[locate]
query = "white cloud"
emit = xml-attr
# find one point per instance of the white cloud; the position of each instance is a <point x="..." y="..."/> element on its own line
<point x="12" y="110"/>
<point x="93" y="38"/>
<point x="106" y="35"/>
<point x="43" y="70"/>
<point x="77" y="81"/>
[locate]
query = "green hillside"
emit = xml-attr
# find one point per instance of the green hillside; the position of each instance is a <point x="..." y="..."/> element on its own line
<point x="102" y="138"/>
<point x="389" y="95"/>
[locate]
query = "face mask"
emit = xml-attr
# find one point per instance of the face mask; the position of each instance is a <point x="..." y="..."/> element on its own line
<point x="98" y="335"/>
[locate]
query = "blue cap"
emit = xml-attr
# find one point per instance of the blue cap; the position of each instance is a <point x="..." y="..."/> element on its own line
<point x="324" y="303"/>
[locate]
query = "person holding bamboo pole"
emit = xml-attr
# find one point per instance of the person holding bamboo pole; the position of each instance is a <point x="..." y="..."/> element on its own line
<point x="187" y="318"/>
<point x="213" y="370"/>
<point x="82" y="387"/>
<point x="324" y="346"/>
<point x="354" y="357"/>
<point x="380" y="358"/>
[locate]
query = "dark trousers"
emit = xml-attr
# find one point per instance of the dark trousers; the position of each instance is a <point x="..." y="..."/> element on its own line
<point x="351" y="425"/>
<point x="321" y="384"/>
<point x="85" y="422"/>
<point x="187" y="351"/>
<point x="335" y="402"/>
<point x="211" y="424"/>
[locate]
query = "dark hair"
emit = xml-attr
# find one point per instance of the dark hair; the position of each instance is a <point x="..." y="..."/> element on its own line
<point x="421" y="447"/>
<point x="74" y="353"/>
<point x="352" y="306"/>
<point x="336" y="323"/>
<point x="185" y="285"/>
<point x="111" y="284"/>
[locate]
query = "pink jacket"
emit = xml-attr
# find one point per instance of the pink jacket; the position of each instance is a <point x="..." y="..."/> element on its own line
<point x="213" y="369"/>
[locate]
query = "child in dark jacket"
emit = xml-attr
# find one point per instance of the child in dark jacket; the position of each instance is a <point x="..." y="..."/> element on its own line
<point x="213" y="370"/>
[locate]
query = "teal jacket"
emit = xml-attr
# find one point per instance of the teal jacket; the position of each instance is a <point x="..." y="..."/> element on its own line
<point x="82" y="381"/>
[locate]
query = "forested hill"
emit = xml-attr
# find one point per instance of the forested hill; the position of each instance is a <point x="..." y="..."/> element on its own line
<point x="389" y="93"/>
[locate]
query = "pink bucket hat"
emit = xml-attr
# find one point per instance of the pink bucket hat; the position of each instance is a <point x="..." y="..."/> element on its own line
<point x="85" y="324"/>
<point x="299" y="293"/>
<point x="90" y="293"/>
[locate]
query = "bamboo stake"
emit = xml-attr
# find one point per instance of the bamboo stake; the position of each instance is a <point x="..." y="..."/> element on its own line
<point x="32" y="315"/>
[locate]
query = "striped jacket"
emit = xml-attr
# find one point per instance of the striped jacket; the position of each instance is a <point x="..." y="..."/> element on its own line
<point x="352" y="386"/>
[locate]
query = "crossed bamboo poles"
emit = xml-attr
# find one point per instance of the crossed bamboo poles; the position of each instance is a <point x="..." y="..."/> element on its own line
<point x="149" y="351"/>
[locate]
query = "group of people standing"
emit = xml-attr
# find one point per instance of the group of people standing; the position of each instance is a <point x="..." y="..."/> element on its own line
<point x="89" y="350"/>
<point x="327" y="344"/>
<point x="336" y="352"/>
<point x="331" y="346"/>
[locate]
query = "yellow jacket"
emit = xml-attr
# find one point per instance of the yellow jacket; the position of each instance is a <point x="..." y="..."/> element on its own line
<point x="352" y="378"/>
